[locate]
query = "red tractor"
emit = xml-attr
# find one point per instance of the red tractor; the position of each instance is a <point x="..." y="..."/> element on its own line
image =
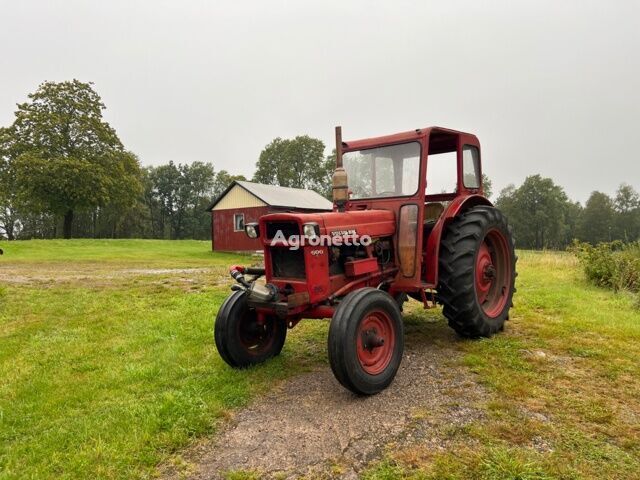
<point x="400" y="228"/>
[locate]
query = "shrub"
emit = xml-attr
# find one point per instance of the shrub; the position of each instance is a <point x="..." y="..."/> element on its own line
<point x="614" y="265"/>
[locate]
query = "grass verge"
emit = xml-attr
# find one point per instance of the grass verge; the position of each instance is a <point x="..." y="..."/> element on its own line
<point x="565" y="387"/>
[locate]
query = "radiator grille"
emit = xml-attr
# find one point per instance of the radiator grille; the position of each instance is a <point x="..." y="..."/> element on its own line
<point x="287" y="229"/>
<point x="287" y="263"/>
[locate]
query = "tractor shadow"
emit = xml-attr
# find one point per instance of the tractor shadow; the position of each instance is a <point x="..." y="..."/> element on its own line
<point x="311" y="425"/>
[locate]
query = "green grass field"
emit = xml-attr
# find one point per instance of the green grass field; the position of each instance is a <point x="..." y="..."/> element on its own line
<point x="108" y="367"/>
<point x="564" y="379"/>
<point x="107" y="361"/>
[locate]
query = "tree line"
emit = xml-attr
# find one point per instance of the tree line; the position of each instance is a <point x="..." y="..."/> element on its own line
<point x="542" y="216"/>
<point x="64" y="172"/>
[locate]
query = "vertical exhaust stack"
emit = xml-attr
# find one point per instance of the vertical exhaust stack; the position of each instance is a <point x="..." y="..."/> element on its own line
<point x="339" y="180"/>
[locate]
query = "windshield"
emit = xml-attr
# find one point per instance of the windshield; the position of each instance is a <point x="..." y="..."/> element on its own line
<point x="391" y="171"/>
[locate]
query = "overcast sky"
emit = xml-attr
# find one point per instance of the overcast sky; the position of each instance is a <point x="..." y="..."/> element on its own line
<point x="548" y="87"/>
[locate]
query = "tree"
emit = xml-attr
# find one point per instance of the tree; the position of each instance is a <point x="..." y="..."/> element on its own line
<point x="177" y="197"/>
<point x="67" y="157"/>
<point x="537" y="211"/>
<point x="8" y="194"/>
<point x="297" y="163"/>
<point x="627" y="208"/>
<point x="165" y="185"/>
<point x="572" y="217"/>
<point x="197" y="190"/>
<point x="597" y="219"/>
<point x="222" y="181"/>
<point x="150" y="200"/>
<point x="487" y="186"/>
<point x="122" y="199"/>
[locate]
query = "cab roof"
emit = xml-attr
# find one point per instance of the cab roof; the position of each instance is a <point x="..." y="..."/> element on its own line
<point x="441" y="133"/>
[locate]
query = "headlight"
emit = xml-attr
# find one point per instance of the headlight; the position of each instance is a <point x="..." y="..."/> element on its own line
<point x="310" y="230"/>
<point x="252" y="230"/>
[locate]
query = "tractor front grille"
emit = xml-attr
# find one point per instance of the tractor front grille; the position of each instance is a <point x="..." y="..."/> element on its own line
<point x="287" y="229"/>
<point x="287" y="263"/>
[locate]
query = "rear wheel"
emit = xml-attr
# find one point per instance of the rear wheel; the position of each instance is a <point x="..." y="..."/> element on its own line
<point x="477" y="272"/>
<point x="242" y="338"/>
<point x="366" y="341"/>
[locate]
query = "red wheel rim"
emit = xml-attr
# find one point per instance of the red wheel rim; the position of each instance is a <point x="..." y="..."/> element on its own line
<point x="255" y="336"/>
<point x="493" y="273"/>
<point x="375" y="340"/>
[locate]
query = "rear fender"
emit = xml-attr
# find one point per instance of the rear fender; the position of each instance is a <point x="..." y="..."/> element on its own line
<point x="455" y="208"/>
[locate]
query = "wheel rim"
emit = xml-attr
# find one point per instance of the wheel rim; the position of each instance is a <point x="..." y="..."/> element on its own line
<point x="375" y="342"/>
<point x="256" y="337"/>
<point x="493" y="273"/>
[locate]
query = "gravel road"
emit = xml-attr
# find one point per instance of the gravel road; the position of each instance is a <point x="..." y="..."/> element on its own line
<point x="312" y="426"/>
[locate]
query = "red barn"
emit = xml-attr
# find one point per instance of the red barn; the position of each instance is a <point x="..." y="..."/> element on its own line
<point x="245" y="202"/>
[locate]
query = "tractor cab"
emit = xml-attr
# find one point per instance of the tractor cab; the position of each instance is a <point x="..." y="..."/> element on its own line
<point x="417" y="174"/>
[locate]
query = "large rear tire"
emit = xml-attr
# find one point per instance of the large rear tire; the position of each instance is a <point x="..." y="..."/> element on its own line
<point x="366" y="341"/>
<point x="477" y="272"/>
<point x="241" y="339"/>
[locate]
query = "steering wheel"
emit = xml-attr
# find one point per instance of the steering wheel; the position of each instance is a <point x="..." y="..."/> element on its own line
<point x="387" y="194"/>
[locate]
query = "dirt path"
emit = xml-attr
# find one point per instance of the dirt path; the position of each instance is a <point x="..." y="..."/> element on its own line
<point x="60" y="273"/>
<point x="311" y="425"/>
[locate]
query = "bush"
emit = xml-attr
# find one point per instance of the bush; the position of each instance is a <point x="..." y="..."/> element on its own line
<point x="614" y="265"/>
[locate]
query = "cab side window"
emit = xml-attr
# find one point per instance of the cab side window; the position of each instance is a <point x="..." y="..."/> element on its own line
<point x="471" y="166"/>
<point x="442" y="173"/>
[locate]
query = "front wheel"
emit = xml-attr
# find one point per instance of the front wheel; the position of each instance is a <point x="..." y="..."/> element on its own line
<point x="242" y="338"/>
<point x="477" y="272"/>
<point x="366" y="341"/>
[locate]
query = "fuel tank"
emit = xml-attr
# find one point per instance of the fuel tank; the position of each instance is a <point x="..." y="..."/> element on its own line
<point x="375" y="223"/>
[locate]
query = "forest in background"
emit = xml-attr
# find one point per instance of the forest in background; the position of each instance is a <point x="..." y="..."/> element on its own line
<point x="65" y="173"/>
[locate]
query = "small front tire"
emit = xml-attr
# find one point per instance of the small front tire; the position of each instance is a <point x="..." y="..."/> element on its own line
<point x="366" y="341"/>
<point x="241" y="339"/>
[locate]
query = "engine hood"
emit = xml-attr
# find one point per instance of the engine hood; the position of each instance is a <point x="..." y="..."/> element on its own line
<point x="375" y="223"/>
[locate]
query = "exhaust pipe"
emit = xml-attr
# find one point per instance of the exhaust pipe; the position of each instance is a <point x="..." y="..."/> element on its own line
<point x="257" y="292"/>
<point x="263" y="293"/>
<point x="339" y="180"/>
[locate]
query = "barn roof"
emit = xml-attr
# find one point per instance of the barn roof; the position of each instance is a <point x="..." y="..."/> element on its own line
<point x="276" y="196"/>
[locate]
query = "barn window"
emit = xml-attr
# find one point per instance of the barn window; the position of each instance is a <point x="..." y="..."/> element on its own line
<point x="238" y="222"/>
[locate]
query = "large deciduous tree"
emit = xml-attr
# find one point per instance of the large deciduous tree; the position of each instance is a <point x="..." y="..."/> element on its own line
<point x="67" y="158"/>
<point x="297" y="163"/>
<point x="223" y="180"/>
<point x="597" y="219"/>
<point x="538" y="211"/>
